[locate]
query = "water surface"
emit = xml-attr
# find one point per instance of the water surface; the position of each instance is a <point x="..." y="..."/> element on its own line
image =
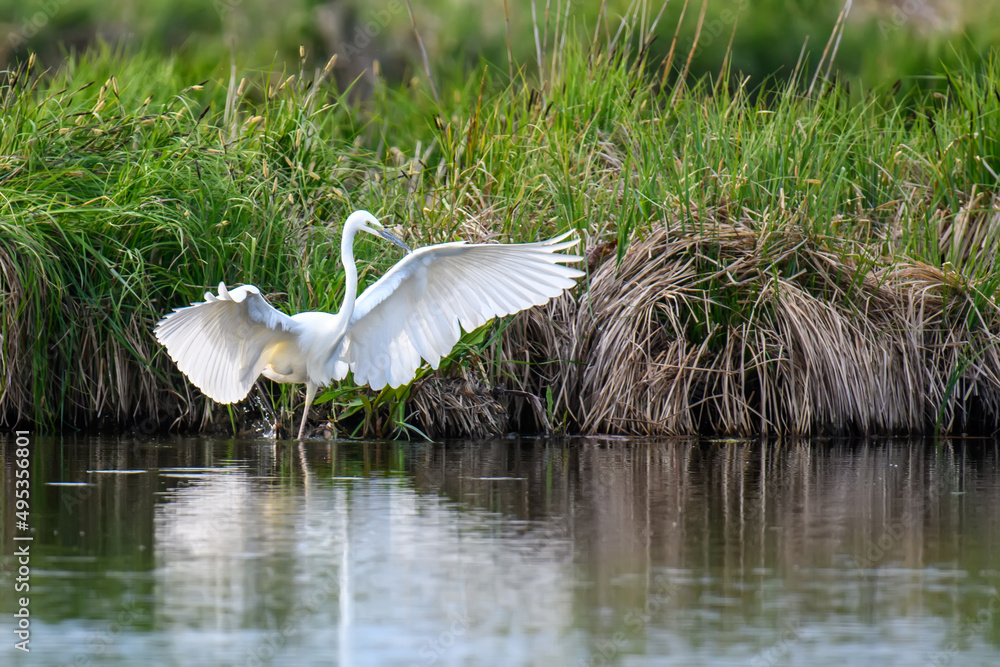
<point x="180" y="551"/>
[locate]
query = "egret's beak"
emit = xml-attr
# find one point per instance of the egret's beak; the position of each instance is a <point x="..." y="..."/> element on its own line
<point x="389" y="237"/>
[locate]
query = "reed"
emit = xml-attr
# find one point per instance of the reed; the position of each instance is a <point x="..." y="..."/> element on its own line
<point x="780" y="262"/>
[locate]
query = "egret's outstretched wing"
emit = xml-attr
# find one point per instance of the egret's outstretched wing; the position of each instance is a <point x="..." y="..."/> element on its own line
<point x="222" y="344"/>
<point x="414" y="311"/>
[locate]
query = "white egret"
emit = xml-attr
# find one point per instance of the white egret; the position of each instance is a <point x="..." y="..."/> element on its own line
<point x="413" y="312"/>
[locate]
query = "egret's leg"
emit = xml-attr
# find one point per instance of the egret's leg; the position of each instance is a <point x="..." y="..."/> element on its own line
<point x="310" y="395"/>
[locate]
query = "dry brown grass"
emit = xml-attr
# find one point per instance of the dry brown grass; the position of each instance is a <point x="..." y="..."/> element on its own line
<point x="816" y="341"/>
<point x="462" y="406"/>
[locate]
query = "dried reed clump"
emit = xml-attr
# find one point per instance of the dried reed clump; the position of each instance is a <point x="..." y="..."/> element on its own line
<point x="532" y="348"/>
<point x="459" y="406"/>
<point x="734" y="331"/>
<point x="973" y="235"/>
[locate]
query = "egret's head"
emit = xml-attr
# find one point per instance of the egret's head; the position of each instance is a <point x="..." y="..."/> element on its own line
<point x="366" y="222"/>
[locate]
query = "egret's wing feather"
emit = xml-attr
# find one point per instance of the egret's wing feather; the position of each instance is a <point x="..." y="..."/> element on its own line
<point x="222" y="344"/>
<point x="418" y="308"/>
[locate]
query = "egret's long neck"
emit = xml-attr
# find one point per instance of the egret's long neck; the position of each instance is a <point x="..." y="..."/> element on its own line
<point x="351" y="272"/>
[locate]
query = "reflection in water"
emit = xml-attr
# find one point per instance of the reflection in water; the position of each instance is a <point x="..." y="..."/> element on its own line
<point x="512" y="552"/>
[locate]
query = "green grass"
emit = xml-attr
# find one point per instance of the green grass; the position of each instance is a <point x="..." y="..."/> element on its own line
<point x="128" y="189"/>
<point x="885" y="40"/>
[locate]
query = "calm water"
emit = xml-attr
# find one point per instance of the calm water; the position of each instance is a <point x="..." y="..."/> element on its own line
<point x="531" y="552"/>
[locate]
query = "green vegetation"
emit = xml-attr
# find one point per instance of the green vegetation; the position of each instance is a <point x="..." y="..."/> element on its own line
<point x="885" y="40"/>
<point x="786" y="262"/>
